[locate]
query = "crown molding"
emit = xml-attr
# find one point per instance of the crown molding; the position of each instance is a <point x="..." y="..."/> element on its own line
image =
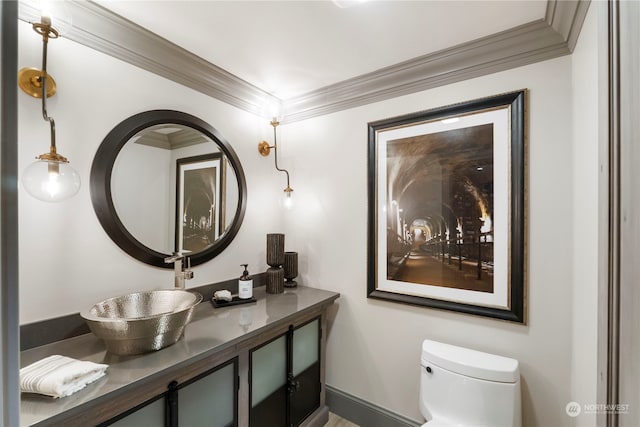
<point x="536" y="41"/>
<point x="566" y="18"/>
<point x="98" y="28"/>
<point x="519" y="46"/>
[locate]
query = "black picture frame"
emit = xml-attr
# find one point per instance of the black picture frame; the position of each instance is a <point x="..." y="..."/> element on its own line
<point x="425" y="160"/>
<point x="200" y="183"/>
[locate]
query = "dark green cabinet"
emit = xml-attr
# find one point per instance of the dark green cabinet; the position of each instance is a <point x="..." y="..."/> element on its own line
<point x="285" y="377"/>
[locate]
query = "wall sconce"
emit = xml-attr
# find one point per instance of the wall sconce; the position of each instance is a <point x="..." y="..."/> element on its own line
<point x="49" y="178"/>
<point x="264" y="148"/>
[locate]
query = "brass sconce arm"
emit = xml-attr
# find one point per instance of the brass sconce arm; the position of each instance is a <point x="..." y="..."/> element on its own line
<point x="36" y="83"/>
<point x="47" y="31"/>
<point x="265" y="149"/>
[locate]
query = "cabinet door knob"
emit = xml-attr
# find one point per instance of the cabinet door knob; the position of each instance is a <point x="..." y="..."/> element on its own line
<point x="292" y="384"/>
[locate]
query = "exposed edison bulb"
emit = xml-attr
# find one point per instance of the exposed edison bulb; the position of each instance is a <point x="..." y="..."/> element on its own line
<point x="52" y="12"/>
<point x="273" y="109"/>
<point x="45" y="12"/>
<point x="276" y="112"/>
<point x="50" y="181"/>
<point x="288" y="199"/>
<point x="52" y="186"/>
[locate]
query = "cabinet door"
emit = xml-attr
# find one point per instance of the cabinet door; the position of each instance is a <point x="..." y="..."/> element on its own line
<point x="285" y="378"/>
<point x="268" y="374"/>
<point x="210" y="399"/>
<point x="305" y="371"/>
<point x="150" y="414"/>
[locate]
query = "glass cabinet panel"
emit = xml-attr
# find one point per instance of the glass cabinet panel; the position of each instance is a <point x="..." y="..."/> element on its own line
<point x="210" y="400"/>
<point x="305" y="347"/>
<point x="269" y="384"/>
<point x="268" y="370"/>
<point x="151" y="415"/>
<point x="305" y="370"/>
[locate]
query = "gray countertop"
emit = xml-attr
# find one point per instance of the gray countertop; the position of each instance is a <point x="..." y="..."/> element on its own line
<point x="211" y="330"/>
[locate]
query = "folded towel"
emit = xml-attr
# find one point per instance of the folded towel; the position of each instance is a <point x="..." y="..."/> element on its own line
<point x="59" y="376"/>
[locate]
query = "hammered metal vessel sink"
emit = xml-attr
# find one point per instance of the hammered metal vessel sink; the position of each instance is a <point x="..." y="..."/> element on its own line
<point x="143" y="321"/>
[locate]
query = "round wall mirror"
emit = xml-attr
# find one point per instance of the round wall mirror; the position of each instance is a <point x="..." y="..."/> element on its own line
<point x="163" y="182"/>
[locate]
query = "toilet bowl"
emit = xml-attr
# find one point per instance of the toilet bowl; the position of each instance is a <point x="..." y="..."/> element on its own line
<point x="467" y="388"/>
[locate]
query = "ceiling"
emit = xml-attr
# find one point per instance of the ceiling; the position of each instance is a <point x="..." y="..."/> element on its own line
<point x="310" y="58"/>
<point x="289" y="48"/>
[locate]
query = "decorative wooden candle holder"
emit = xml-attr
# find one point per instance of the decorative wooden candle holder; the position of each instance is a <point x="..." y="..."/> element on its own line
<point x="290" y="269"/>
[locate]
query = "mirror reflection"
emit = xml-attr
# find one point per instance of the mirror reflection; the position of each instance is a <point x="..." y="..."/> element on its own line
<point x="164" y="181"/>
<point x="174" y="189"/>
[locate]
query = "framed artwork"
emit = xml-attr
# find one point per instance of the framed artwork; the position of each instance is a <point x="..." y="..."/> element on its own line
<point x="447" y="214"/>
<point x="199" y="201"/>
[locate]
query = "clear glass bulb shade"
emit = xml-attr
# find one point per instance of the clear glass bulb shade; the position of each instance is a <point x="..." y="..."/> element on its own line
<point x="51" y="181"/>
<point x="288" y="199"/>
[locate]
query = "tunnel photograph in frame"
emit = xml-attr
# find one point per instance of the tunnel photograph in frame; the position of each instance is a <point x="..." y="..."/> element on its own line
<point x="446" y="220"/>
<point x="199" y="200"/>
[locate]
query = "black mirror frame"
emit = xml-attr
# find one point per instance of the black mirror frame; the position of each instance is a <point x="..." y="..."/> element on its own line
<point x="100" y="184"/>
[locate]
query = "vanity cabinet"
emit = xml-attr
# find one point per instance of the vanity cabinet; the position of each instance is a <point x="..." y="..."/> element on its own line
<point x="261" y="365"/>
<point x="283" y="382"/>
<point x="285" y="378"/>
<point x="210" y="399"/>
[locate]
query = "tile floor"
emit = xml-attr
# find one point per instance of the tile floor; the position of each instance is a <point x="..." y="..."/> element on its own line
<point x="336" y="421"/>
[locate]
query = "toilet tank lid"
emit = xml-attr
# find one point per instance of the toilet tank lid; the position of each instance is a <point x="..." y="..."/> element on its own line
<point x="471" y="363"/>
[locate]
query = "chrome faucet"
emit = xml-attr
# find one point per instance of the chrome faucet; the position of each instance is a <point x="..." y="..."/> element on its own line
<point x="181" y="274"/>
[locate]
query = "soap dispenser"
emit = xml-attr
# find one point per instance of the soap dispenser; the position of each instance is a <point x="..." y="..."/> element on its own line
<point x="245" y="284"/>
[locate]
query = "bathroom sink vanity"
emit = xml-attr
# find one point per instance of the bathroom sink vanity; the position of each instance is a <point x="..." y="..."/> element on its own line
<point x="258" y="364"/>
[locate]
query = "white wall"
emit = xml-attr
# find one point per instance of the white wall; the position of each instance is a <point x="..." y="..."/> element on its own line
<point x="374" y="346"/>
<point x="67" y="262"/>
<point x="585" y="86"/>
<point x="141" y="186"/>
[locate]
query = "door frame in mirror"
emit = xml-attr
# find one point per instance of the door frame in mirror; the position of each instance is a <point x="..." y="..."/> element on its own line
<point x="100" y="184"/>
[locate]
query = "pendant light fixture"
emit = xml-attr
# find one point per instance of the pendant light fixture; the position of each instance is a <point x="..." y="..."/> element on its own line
<point x="50" y="178"/>
<point x="264" y="148"/>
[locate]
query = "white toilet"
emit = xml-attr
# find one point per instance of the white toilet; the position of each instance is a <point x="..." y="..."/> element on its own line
<point x="467" y="388"/>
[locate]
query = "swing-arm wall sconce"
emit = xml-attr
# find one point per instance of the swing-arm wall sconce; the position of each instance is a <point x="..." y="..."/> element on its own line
<point x="265" y="149"/>
<point x="50" y="178"/>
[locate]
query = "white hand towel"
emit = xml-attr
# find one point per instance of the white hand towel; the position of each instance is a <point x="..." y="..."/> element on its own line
<point x="59" y="376"/>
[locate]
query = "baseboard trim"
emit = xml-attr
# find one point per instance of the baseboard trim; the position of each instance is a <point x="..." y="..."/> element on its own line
<point x="364" y="413"/>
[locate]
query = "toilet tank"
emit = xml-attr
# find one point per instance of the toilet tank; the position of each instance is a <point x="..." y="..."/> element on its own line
<point x="464" y="387"/>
